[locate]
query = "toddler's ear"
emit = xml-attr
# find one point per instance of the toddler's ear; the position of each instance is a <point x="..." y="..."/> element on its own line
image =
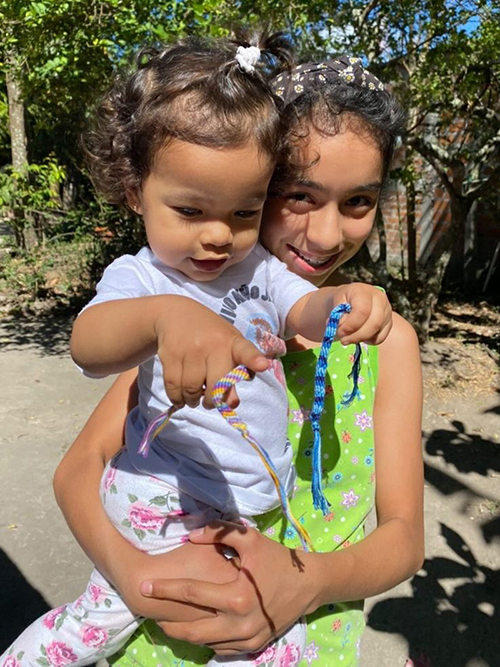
<point x="134" y="200"/>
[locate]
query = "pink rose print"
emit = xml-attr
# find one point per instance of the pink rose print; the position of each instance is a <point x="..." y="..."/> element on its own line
<point x="79" y="602"/>
<point x="301" y="415"/>
<point x="336" y="625"/>
<point x="10" y="661"/>
<point x="350" y="499"/>
<point x="50" y="620"/>
<point x="265" y="656"/>
<point x="94" y="637"/>
<point x="97" y="594"/>
<point x="145" y="518"/>
<point x="288" y="656"/>
<point x="346" y="437"/>
<point x="363" y="420"/>
<point x="109" y="478"/>
<point x="311" y="653"/>
<point x="60" y="654"/>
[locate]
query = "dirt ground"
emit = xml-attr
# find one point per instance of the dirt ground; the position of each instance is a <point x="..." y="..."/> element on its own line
<point x="447" y="615"/>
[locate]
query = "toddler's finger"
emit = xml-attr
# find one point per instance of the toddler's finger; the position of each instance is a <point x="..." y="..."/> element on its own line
<point x="193" y="379"/>
<point x="172" y="377"/>
<point x="218" y="364"/>
<point x="369" y="329"/>
<point x="245" y="353"/>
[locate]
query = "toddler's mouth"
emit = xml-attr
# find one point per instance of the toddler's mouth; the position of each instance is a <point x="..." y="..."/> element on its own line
<point x="209" y="265"/>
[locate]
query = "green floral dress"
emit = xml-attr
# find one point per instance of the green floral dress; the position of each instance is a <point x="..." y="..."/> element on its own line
<point x="333" y="631"/>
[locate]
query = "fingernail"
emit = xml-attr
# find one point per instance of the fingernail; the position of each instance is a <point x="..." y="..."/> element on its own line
<point x="197" y="531"/>
<point x="147" y="588"/>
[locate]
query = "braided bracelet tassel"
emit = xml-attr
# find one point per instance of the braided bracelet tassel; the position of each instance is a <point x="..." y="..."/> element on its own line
<point x="319" y="500"/>
<point x="219" y="391"/>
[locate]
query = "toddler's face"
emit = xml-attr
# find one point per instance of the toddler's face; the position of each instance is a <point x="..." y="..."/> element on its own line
<point x="321" y="221"/>
<point x="202" y="206"/>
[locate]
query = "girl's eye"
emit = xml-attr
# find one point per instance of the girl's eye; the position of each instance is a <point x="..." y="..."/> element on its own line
<point x="247" y="215"/>
<point x="299" y="197"/>
<point x="360" y="201"/>
<point x="187" y="212"/>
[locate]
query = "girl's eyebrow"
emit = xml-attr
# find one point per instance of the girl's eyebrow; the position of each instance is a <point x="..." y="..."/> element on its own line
<point x="314" y="185"/>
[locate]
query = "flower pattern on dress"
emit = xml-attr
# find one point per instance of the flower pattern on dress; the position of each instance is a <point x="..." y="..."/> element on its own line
<point x="336" y="625"/>
<point x="94" y="637"/>
<point x="50" y="620"/>
<point x="301" y="415"/>
<point x="288" y="655"/>
<point x="363" y="420"/>
<point x="10" y="661"/>
<point x="346" y="437"/>
<point x="310" y="653"/>
<point x="350" y="499"/>
<point x="58" y="654"/>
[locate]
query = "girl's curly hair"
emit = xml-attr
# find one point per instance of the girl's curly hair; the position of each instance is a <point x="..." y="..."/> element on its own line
<point x="193" y="90"/>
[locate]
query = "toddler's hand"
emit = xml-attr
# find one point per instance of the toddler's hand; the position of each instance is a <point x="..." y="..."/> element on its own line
<point x="370" y="319"/>
<point x="197" y="347"/>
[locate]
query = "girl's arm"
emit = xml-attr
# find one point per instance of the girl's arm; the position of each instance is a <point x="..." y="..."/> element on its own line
<point x="275" y="585"/>
<point x="370" y="319"/>
<point x="76" y="486"/>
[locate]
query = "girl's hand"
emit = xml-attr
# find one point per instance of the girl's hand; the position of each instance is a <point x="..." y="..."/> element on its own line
<point x="197" y="347"/>
<point x="370" y="319"/>
<point x="271" y="590"/>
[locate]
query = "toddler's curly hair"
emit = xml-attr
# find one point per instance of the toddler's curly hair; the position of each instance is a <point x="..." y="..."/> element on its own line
<point x="195" y="91"/>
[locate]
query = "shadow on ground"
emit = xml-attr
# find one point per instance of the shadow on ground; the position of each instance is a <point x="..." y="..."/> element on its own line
<point x="20" y="603"/>
<point x="47" y="335"/>
<point x="453" y="616"/>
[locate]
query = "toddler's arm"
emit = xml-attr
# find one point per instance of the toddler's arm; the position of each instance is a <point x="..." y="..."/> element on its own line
<point x="195" y="345"/>
<point x="370" y="319"/>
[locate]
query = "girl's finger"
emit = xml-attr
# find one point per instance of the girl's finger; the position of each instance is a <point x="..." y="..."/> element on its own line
<point x="191" y="591"/>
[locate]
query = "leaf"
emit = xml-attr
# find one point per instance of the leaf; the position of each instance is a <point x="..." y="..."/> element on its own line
<point x="107" y="602"/>
<point x="140" y="533"/>
<point x="161" y="501"/>
<point x="132" y="498"/>
<point x="126" y="523"/>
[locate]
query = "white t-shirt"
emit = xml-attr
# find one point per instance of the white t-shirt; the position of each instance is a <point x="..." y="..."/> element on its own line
<point x="198" y="452"/>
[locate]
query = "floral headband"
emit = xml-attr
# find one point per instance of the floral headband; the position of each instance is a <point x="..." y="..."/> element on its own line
<point x="310" y="76"/>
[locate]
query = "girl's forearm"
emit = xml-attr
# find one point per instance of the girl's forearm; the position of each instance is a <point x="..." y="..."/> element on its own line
<point x="385" y="558"/>
<point x="77" y="478"/>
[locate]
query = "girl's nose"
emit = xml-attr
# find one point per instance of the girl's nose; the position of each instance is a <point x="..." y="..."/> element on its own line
<point x="324" y="230"/>
<point x="216" y="233"/>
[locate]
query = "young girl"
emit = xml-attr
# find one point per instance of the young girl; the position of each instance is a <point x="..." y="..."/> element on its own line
<point x="344" y="133"/>
<point x="203" y="160"/>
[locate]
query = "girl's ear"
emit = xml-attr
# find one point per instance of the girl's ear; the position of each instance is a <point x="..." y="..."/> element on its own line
<point x="134" y="200"/>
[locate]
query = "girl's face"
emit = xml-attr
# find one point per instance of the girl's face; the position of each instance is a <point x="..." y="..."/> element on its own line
<point x="202" y="206"/>
<point x="321" y="220"/>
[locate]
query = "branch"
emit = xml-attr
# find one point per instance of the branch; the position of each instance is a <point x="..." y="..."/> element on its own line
<point x="435" y="156"/>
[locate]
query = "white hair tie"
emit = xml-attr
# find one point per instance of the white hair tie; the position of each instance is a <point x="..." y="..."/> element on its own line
<point x="247" y="57"/>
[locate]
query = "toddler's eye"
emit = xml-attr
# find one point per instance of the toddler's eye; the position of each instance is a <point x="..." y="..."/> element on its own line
<point x="187" y="212"/>
<point x="247" y="215"/>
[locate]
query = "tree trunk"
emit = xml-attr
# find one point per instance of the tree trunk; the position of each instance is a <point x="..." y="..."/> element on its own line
<point x="18" y="142"/>
<point x="470" y="249"/>
<point x="411" y="243"/>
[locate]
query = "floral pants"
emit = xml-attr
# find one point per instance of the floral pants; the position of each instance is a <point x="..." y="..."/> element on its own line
<point x="149" y="513"/>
